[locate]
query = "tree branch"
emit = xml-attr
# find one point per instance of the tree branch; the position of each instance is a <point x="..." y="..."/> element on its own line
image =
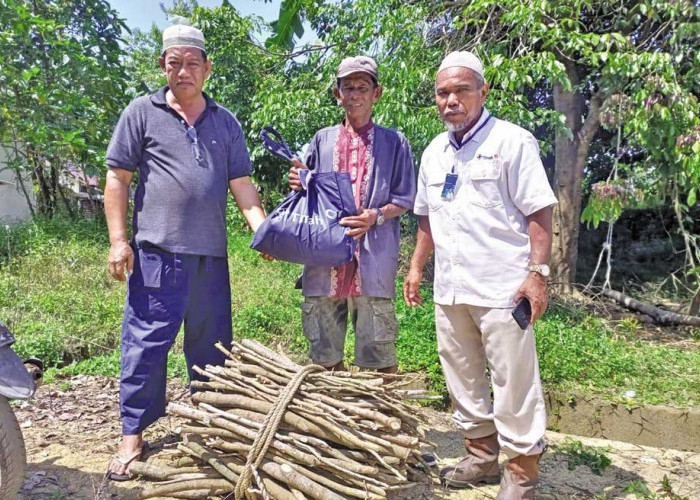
<point x="591" y="123"/>
<point x="291" y="55"/>
<point x="660" y="316"/>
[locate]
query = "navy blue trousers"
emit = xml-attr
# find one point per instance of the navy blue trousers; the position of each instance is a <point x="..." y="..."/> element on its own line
<point x="165" y="290"/>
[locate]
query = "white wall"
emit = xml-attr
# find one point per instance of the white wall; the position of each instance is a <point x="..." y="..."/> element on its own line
<point x="13" y="204"/>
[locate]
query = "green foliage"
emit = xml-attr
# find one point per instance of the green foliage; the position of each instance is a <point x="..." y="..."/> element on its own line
<point x="578" y="352"/>
<point x="265" y="305"/>
<point x="627" y="327"/>
<point x="145" y="75"/>
<point x="296" y="95"/>
<point x="57" y="297"/>
<point x="179" y="11"/>
<point x="607" y="201"/>
<point x="237" y="62"/>
<point x="416" y="346"/>
<point x="107" y="365"/>
<point x="55" y="290"/>
<point x="592" y="47"/>
<point x="641" y="490"/>
<point x="592" y="457"/>
<point x="287" y="25"/>
<point x="61" y="87"/>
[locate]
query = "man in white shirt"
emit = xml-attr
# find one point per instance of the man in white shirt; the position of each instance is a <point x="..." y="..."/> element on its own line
<point x="485" y="206"/>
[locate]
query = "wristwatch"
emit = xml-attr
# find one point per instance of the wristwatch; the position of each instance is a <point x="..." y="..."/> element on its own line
<point x="542" y="269"/>
<point x="380" y="217"/>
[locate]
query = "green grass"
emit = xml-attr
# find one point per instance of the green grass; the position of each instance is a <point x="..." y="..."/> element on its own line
<point x="579" y="454"/>
<point x="665" y="491"/>
<point x="56" y="295"/>
<point x="108" y="365"/>
<point x="579" y="353"/>
<point x="55" y="292"/>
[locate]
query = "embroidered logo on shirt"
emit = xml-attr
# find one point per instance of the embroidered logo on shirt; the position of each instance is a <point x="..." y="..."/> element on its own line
<point x="485" y="157"/>
<point x="213" y="142"/>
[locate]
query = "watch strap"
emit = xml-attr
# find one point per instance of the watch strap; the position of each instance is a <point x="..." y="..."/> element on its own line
<point x="537" y="268"/>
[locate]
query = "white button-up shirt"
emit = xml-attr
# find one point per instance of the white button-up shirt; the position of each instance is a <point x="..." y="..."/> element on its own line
<point x="482" y="247"/>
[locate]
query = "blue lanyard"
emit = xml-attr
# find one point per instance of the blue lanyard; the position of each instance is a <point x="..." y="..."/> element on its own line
<point x="471" y="136"/>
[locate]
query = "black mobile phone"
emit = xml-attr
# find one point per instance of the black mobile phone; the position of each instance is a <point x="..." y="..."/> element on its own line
<point x="522" y="313"/>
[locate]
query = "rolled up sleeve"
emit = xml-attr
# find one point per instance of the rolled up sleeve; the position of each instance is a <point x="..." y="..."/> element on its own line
<point x="403" y="180"/>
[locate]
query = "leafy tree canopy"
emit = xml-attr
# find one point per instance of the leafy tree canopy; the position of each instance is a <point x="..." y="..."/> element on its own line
<point x="61" y="86"/>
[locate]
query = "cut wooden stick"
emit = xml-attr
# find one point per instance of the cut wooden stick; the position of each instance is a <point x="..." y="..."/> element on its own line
<point x="342" y="435"/>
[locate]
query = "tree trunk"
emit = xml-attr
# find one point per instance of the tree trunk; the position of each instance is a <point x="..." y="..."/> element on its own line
<point x="44" y="195"/>
<point x="571" y="155"/>
<point x="20" y="182"/>
<point x="567" y="187"/>
<point x="692" y="252"/>
<point x="695" y="303"/>
<point x="59" y="189"/>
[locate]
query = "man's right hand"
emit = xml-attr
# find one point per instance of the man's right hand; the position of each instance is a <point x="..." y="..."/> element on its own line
<point x="411" y="287"/>
<point x="121" y="256"/>
<point x="294" y="181"/>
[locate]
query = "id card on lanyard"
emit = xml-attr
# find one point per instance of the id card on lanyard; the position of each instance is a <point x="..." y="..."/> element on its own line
<point x="448" y="190"/>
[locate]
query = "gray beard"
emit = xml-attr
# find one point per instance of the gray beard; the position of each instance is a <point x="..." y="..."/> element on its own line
<point x="455" y="127"/>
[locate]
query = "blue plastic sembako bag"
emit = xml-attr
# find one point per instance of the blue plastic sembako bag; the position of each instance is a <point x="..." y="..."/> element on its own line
<point x="305" y="228"/>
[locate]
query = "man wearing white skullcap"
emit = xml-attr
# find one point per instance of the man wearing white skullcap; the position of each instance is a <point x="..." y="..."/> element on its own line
<point x="485" y="207"/>
<point x="189" y="152"/>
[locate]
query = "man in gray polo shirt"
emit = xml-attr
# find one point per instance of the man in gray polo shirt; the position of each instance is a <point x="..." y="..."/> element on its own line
<point x="189" y="152"/>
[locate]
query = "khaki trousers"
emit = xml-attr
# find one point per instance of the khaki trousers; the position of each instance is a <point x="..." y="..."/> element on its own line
<point x="469" y="337"/>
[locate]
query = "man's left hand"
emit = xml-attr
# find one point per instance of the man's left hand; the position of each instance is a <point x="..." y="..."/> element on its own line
<point x="359" y="224"/>
<point x="535" y="289"/>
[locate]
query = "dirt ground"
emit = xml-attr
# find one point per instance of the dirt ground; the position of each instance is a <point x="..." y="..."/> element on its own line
<point x="72" y="427"/>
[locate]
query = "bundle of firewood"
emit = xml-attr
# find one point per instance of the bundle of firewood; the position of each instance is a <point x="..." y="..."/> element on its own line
<point x="265" y="427"/>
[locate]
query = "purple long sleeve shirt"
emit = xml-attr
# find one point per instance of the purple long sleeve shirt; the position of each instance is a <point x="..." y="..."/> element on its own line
<point x="392" y="180"/>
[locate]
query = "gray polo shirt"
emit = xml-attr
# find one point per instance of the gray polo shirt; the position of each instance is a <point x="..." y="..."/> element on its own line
<point x="180" y="201"/>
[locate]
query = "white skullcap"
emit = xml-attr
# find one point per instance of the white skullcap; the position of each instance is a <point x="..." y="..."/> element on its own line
<point x="462" y="59"/>
<point x="181" y="35"/>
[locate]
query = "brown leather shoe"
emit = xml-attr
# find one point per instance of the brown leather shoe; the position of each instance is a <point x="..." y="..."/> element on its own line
<point x="480" y="466"/>
<point x="520" y="478"/>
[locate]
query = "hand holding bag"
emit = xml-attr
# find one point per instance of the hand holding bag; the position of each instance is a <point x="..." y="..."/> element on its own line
<point x="305" y="228"/>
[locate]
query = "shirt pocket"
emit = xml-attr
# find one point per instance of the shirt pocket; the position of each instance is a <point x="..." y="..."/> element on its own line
<point x="484" y="188"/>
<point x="434" y="190"/>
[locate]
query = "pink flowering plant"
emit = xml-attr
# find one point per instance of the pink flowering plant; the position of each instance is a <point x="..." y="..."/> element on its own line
<point x="608" y="199"/>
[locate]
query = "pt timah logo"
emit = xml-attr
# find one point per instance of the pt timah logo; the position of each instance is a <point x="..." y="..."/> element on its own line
<point x="315" y="220"/>
<point x="486" y="157"/>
